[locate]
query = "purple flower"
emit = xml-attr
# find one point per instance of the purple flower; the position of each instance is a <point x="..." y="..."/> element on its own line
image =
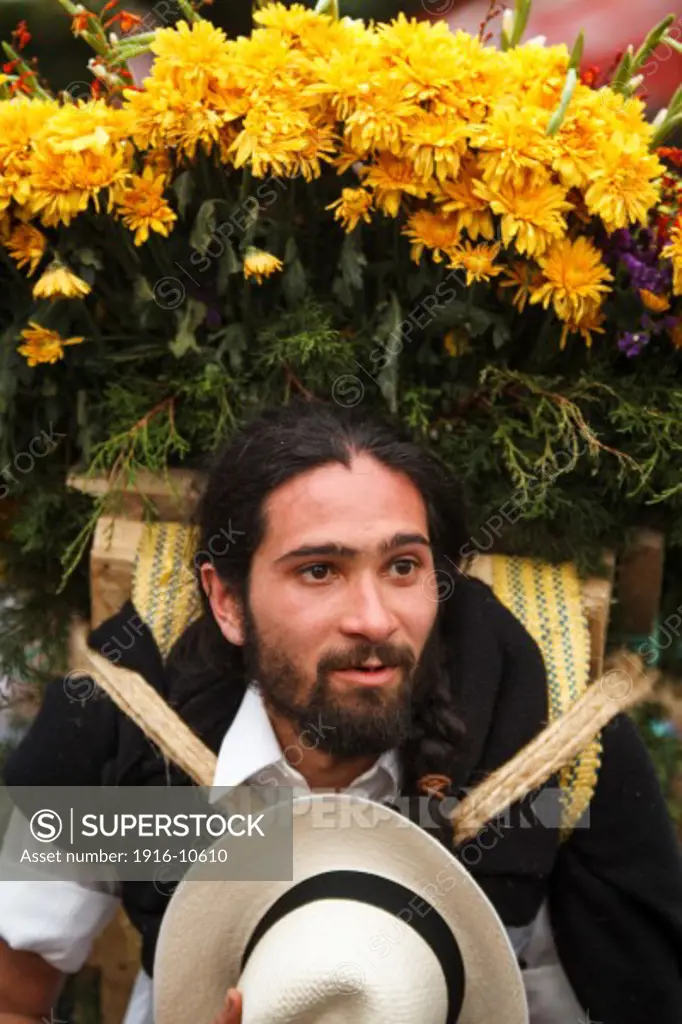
<point x="631" y="343"/>
<point x="642" y="276"/>
<point x="622" y="239"/>
<point x="651" y="326"/>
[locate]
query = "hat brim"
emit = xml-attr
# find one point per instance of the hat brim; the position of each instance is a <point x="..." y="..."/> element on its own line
<point x="208" y="923"/>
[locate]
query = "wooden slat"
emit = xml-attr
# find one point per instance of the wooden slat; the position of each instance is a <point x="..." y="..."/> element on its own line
<point x="112" y="561"/>
<point x="174" y="494"/>
<point x="639" y="582"/>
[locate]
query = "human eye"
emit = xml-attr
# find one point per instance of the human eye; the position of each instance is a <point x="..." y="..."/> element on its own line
<point x="408" y="563"/>
<point x="306" y="569"/>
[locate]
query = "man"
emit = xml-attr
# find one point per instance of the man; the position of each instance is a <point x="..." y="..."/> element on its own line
<point x="325" y="539"/>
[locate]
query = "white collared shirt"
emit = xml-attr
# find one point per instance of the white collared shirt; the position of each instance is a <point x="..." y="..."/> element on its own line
<point x="250" y="754"/>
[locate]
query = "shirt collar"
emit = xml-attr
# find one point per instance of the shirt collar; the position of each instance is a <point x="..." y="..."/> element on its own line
<point x="250" y="745"/>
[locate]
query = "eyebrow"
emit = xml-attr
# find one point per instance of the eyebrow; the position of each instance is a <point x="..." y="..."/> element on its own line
<point x="398" y="540"/>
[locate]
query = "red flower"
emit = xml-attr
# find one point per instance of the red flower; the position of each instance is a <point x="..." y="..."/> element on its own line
<point x="79" y="22"/>
<point x="126" y="20"/>
<point x="21" y="85"/>
<point x="590" y="75"/>
<point x="671" y="153"/>
<point x="21" y="35"/>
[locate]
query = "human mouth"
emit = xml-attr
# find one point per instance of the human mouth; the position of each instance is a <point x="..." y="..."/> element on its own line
<point x="370" y="675"/>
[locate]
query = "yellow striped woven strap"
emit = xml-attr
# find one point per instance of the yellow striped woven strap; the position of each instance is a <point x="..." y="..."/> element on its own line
<point x="164" y="589"/>
<point x="547" y="599"/>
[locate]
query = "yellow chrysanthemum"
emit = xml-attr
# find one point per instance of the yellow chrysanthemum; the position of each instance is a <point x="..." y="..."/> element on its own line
<point x="381" y="117"/>
<point x="524" y="277"/>
<point x="459" y="198"/>
<point x="579" y="140"/>
<point x="43" y="345"/>
<point x="27" y="245"/>
<point x="673" y="252"/>
<point x="433" y="231"/>
<point x="160" y="162"/>
<point x="278" y="136"/>
<point x="297" y="20"/>
<point x="477" y="260"/>
<point x="537" y="73"/>
<point x="58" y="282"/>
<point x="622" y="187"/>
<point x="90" y="125"/>
<point x="21" y="120"/>
<point x="586" y="325"/>
<point x="142" y="208"/>
<point x="260" y="264"/>
<point x="180" y="118"/>
<point x="575" y="279"/>
<point x="511" y="143"/>
<point x="532" y="215"/>
<point x="435" y="145"/>
<point x="353" y="206"/>
<point x="391" y="178"/>
<point x="196" y="53"/>
<point x="63" y="184"/>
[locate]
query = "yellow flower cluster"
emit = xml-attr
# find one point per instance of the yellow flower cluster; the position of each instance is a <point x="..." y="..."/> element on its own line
<point x="438" y="128"/>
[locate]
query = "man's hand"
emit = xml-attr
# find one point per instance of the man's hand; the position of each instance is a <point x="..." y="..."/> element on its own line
<point x="231" y="1012"/>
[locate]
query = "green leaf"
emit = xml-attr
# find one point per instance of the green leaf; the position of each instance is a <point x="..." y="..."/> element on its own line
<point x="294" y="282"/>
<point x="89" y="258"/>
<point x="229" y="264"/>
<point x="142" y="292"/>
<point x="577" y="51"/>
<point x="183" y="186"/>
<point x="353" y="261"/>
<point x="342" y="291"/>
<point x="388" y="335"/>
<point x="233" y="344"/>
<point x="290" y="250"/>
<point x="569" y="88"/>
<point x="501" y="334"/>
<point x="204" y="226"/>
<point x="185" y="340"/>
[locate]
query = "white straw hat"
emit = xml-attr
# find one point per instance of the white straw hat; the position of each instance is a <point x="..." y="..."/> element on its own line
<point x="380" y="925"/>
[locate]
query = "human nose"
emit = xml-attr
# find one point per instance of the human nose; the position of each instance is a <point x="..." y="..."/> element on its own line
<point x="369" y="612"/>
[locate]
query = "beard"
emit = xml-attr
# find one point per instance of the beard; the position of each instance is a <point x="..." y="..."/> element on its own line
<point x="357" y="721"/>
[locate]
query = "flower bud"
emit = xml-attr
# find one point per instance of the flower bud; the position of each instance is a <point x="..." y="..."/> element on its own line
<point x="508" y="22"/>
<point x="660" y="118"/>
<point x="635" y="82"/>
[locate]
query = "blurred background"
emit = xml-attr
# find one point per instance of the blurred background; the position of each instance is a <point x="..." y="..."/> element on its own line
<point x="610" y="25"/>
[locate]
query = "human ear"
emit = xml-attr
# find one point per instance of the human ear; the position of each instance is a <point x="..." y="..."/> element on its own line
<point x="225" y="605"/>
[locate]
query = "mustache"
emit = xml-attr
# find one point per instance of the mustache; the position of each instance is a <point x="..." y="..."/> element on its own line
<point x="387" y="654"/>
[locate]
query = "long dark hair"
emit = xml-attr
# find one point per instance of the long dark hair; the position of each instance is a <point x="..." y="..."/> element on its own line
<point x="276" y="446"/>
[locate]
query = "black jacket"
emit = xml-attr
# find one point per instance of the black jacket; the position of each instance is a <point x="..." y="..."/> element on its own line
<point x="614" y="889"/>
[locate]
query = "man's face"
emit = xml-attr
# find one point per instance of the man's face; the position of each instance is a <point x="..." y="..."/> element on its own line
<point x="315" y="615"/>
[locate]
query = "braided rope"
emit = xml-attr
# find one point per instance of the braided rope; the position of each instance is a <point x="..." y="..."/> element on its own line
<point x="617" y="690"/>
